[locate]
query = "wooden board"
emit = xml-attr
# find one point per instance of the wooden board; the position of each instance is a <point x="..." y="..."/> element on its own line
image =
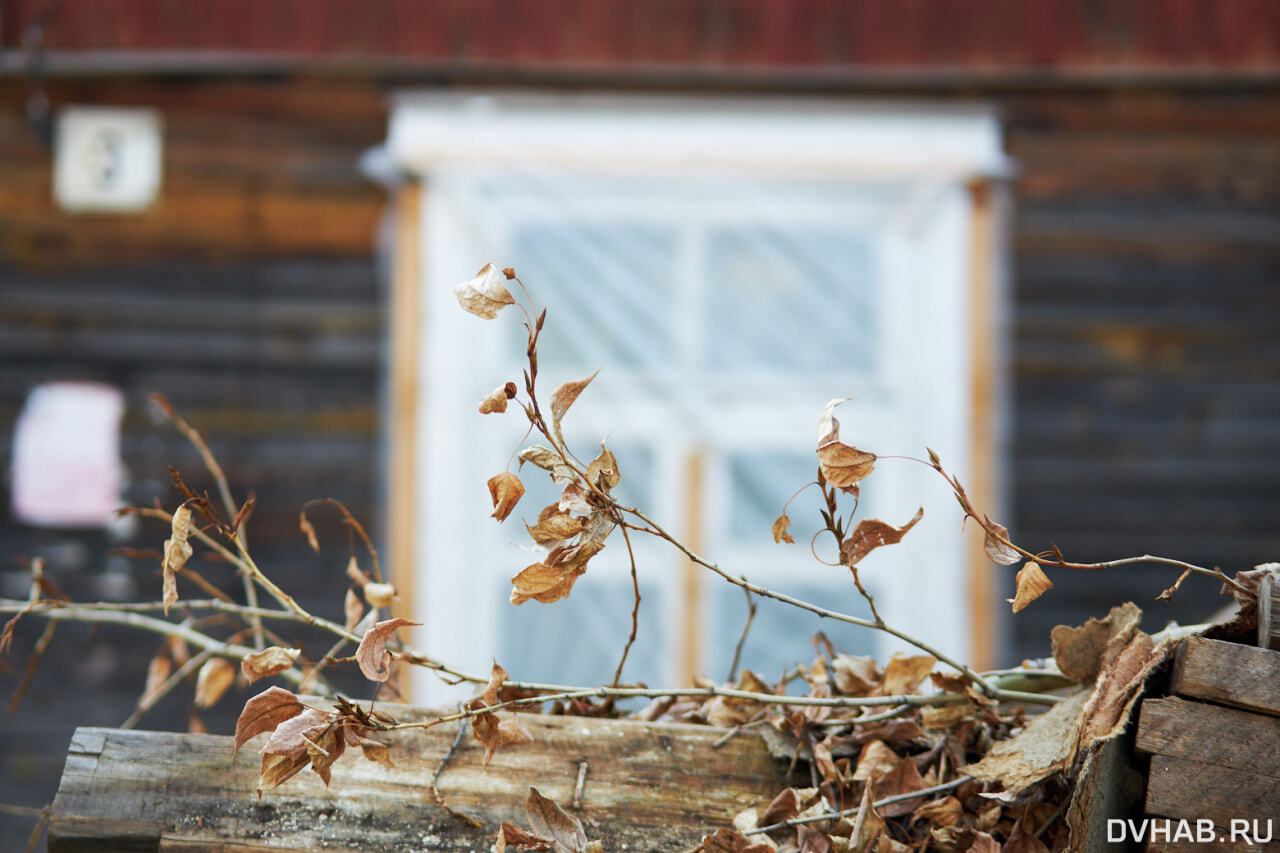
<point x="648" y="786"/>
<point x="1230" y="674"/>
<point x="1194" y="790"/>
<point x="1211" y="734"/>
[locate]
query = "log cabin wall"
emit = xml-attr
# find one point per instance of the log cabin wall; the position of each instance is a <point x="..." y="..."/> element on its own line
<point x="1145" y="269"/>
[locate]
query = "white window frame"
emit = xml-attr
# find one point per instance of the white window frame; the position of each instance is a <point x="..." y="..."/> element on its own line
<point x="939" y="151"/>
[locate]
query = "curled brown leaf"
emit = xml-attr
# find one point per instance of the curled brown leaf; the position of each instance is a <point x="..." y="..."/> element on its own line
<point x="485" y="295"/>
<point x="494" y="733"/>
<point x="505" y="490"/>
<point x="264" y="712"/>
<point x="177" y="550"/>
<point x="564" y="396"/>
<point x="308" y="530"/>
<point x="781" y="532"/>
<point x="495" y="401"/>
<point x="548" y="820"/>
<point x="215" y="677"/>
<point x="1031" y="584"/>
<point x="871" y="533"/>
<point x="996" y="544"/>
<point x="270" y="661"/>
<point x="843" y="466"/>
<point x="372" y="655"/>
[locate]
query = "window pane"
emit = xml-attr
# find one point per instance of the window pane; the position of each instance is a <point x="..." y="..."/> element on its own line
<point x="780" y="635"/>
<point x="579" y="639"/>
<point x="789" y="299"/>
<point x="610" y="290"/>
<point x="758" y="487"/>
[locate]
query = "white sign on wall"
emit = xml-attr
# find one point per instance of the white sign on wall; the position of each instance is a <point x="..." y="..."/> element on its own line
<point x="107" y="159"/>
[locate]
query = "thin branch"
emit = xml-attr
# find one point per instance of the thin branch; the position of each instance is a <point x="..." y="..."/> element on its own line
<point x="635" y="609"/>
<point x="743" y="583"/>
<point x="742" y="638"/>
<point x="435" y="779"/>
<point x="146" y="703"/>
<point x="30" y="673"/>
<point x="836" y="815"/>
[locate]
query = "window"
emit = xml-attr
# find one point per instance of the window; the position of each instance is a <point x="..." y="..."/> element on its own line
<point x="727" y="294"/>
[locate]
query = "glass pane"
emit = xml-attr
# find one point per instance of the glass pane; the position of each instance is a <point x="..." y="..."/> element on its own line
<point x="759" y="485"/>
<point x="609" y="288"/>
<point x="789" y="299"/>
<point x="579" y="640"/>
<point x="780" y="635"/>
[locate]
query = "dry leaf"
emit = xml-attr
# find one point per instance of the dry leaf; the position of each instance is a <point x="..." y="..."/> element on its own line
<point x="292" y="746"/>
<point x="379" y="594"/>
<point x="947" y="811"/>
<point x="1032" y="583"/>
<point x="811" y="840"/>
<point x="352" y="609"/>
<point x="497" y="675"/>
<point x="563" y="398"/>
<point x="603" y="470"/>
<point x="325" y="745"/>
<point x="999" y="551"/>
<point x="357" y="575"/>
<point x="875" y="760"/>
<point x="267" y="662"/>
<point x="1079" y="651"/>
<point x="904" y="673"/>
<point x="843" y="466"/>
<point x="574" y="499"/>
<point x="372" y="654"/>
<point x="308" y="531"/>
<point x="264" y="712"/>
<point x="177" y="550"/>
<point x="548" y="820"/>
<point x="555" y="526"/>
<point x="904" y="778"/>
<point x="945" y="716"/>
<point x="870" y="534"/>
<point x="494" y="733"/>
<point x="549" y="461"/>
<point x="195" y="725"/>
<point x="780" y="531"/>
<point x="496" y="401"/>
<point x="855" y="675"/>
<point x="828" y="426"/>
<point x="485" y="295"/>
<point x="505" y="490"/>
<point x="510" y="835"/>
<point x="784" y="807"/>
<point x="543" y="583"/>
<point x="158" y="672"/>
<point x="216" y="676"/>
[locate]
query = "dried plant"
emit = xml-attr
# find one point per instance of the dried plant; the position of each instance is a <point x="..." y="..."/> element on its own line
<point x="899" y="757"/>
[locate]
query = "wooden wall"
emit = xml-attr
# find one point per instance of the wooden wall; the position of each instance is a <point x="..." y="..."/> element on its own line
<point x="248" y="295"/>
<point x="1145" y="357"/>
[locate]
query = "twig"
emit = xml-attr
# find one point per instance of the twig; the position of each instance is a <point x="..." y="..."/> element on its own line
<point x="743" y="583"/>
<point x="20" y="811"/>
<point x="224" y="491"/>
<point x="635" y="609"/>
<point x="860" y="820"/>
<point x="356" y="526"/>
<point x="146" y="703"/>
<point x="38" y="830"/>
<point x="30" y="673"/>
<point x="836" y="815"/>
<point x="435" y="779"/>
<point x="578" y="785"/>
<point x="742" y="639"/>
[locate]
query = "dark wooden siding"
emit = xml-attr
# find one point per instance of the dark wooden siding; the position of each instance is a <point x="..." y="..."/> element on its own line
<point x="248" y="295"/>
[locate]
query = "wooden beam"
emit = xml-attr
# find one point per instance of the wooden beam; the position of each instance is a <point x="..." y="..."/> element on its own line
<point x="982" y="485"/>
<point x="1211" y="734"/>
<point x="401" y="472"/>
<point x="1185" y="789"/>
<point x="691" y="578"/>
<point x="647" y="786"/>
<point x="1229" y="674"/>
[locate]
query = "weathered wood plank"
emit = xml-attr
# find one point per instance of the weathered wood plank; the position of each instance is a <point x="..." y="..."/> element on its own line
<point x="1231" y="674"/>
<point x="648" y="785"/>
<point x="1211" y="734"/>
<point x="1195" y="790"/>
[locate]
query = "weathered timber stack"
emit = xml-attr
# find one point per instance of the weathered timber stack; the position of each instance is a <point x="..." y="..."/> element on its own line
<point x="1214" y="744"/>
<point x="636" y="786"/>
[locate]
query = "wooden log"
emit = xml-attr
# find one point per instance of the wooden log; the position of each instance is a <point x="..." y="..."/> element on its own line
<point x="647" y="786"/>
<point x="1269" y="612"/>
<point x="1228" y="673"/>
